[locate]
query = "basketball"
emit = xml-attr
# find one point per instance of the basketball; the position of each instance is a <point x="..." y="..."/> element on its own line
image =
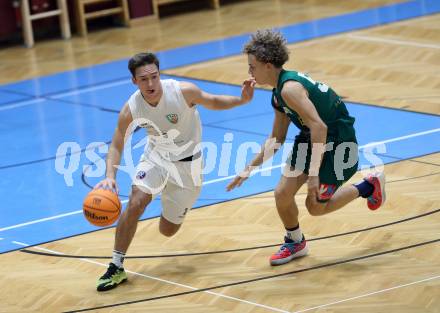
<point x="101" y="207"/>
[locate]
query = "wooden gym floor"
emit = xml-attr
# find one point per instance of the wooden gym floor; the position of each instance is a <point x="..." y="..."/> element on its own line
<point x="384" y="261"/>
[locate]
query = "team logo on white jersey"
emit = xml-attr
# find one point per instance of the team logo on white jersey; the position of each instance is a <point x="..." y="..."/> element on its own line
<point x="173" y="118"/>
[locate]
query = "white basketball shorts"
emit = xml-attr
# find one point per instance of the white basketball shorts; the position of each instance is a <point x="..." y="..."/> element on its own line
<point x="179" y="184"/>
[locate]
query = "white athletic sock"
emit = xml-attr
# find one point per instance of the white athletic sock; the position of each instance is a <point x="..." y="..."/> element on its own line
<point x="118" y="258"/>
<point x="294" y="234"/>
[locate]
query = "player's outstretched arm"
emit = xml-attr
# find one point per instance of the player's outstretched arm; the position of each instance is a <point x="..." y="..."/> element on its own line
<point x="115" y="150"/>
<point x="271" y="146"/>
<point x="194" y="95"/>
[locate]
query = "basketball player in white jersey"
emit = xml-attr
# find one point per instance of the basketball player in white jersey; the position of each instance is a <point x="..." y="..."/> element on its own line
<point x="171" y="163"/>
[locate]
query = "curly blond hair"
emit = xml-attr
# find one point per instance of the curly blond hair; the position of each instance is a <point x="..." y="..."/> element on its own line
<point x="268" y="46"/>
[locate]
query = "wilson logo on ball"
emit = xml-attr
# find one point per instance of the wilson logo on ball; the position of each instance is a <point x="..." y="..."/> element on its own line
<point x="101" y="207"/>
<point x="94" y="216"/>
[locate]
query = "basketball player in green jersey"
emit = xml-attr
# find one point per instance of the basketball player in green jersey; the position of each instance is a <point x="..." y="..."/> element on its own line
<point x="325" y="152"/>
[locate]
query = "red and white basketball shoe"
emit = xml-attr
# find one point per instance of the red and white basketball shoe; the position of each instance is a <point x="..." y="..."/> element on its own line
<point x="378" y="196"/>
<point x="289" y="251"/>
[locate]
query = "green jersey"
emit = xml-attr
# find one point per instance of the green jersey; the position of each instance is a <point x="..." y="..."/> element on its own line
<point x="328" y="104"/>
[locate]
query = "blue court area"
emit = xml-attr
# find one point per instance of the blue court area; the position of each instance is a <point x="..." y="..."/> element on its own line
<point x="78" y="108"/>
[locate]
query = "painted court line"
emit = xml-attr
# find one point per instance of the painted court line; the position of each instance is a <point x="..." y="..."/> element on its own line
<point x="22" y="104"/>
<point x="295" y="33"/>
<point x="41" y="220"/>
<point x="163" y="280"/>
<point x="394" y="41"/>
<point x="64" y="94"/>
<point x="124" y="81"/>
<point x="372" y="144"/>
<point x="369" y="294"/>
<point x="245" y="301"/>
<point x="431" y="131"/>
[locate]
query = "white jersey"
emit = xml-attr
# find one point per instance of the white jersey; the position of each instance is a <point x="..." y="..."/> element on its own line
<point x="173" y="128"/>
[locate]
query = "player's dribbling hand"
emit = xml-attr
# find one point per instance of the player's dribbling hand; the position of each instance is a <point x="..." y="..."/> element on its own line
<point x="109" y="184"/>
<point x="247" y="90"/>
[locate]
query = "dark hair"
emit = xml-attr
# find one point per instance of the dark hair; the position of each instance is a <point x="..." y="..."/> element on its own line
<point x="268" y="46"/>
<point x="142" y="59"/>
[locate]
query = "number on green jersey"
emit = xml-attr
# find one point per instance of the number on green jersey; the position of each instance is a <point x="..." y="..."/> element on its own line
<point x="321" y="86"/>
